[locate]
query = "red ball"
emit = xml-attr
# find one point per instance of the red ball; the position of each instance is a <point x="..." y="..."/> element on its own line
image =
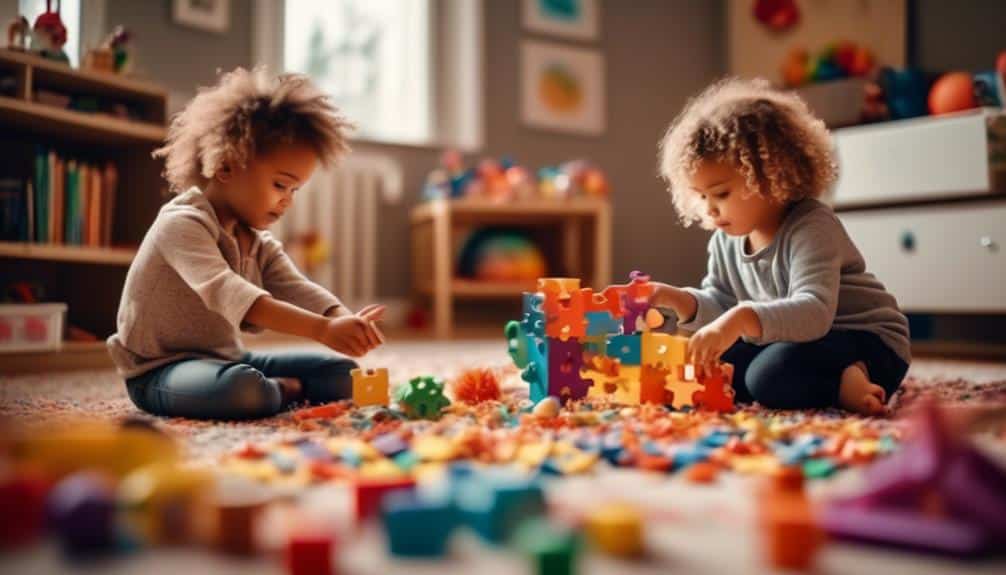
<point x="952" y="92"/>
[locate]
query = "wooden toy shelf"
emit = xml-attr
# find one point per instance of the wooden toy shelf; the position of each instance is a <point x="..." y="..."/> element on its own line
<point x="577" y="233"/>
<point x="89" y="278"/>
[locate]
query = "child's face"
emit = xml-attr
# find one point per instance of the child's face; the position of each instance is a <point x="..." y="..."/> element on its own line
<point x="730" y="204"/>
<point x="259" y="194"/>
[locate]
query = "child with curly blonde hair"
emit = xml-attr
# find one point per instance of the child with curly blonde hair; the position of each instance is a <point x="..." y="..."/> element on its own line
<point x="207" y="268"/>
<point x="816" y="328"/>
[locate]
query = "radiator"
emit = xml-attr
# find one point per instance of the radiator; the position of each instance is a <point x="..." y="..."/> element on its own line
<point x="340" y="205"/>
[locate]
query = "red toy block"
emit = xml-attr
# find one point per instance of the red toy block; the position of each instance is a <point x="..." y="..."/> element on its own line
<point x="310" y="554"/>
<point x="717" y="393"/>
<point x="368" y="494"/>
<point x="22" y="508"/>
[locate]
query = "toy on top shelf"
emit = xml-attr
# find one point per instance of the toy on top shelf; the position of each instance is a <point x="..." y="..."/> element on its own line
<point x="370" y="387"/>
<point x="18" y="34"/>
<point x="839" y="60"/>
<point x="573" y="343"/>
<point x="49" y="34"/>
<point x="504" y="181"/>
<point x="113" y="54"/>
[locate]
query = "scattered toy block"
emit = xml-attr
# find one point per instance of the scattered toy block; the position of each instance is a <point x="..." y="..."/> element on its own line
<point x="369" y="492"/>
<point x="81" y="512"/>
<point x="417" y="526"/>
<point x="552" y="550"/>
<point x="370" y="386"/>
<point x="615" y="529"/>
<point x="791" y="534"/>
<point x="494" y="506"/>
<point x="22" y="507"/>
<point x="310" y="553"/>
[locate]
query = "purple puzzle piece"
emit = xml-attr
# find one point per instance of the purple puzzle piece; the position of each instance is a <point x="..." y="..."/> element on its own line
<point x="904" y="528"/>
<point x="565" y="358"/>
<point x="973" y="487"/>
<point x="633" y="310"/>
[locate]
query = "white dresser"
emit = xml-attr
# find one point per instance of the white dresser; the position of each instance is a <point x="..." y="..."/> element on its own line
<point x="925" y="201"/>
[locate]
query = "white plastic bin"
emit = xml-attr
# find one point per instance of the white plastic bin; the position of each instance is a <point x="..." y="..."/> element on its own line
<point x="31" y="326"/>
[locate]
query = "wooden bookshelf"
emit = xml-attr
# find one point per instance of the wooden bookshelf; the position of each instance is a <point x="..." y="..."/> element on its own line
<point x="64" y="253"/>
<point x="87" y="278"/>
<point x="574" y="234"/>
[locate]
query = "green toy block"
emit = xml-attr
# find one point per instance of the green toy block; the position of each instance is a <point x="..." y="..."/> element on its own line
<point x="552" y="550"/>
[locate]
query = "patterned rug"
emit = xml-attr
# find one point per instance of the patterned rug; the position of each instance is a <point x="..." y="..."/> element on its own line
<point x="48" y="399"/>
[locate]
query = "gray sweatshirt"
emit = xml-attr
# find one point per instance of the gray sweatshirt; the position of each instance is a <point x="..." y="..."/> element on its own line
<point x="811" y="279"/>
<point x="189" y="289"/>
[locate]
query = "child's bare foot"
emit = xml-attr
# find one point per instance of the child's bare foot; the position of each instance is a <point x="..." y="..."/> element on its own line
<point x="291" y="389"/>
<point x="858" y="394"/>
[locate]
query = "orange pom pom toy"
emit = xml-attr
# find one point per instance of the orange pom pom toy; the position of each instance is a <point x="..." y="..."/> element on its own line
<point x="476" y="385"/>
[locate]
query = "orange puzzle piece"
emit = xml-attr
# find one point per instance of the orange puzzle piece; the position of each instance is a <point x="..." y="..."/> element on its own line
<point x="653" y="386"/>
<point x="717" y="393"/>
<point x="370" y="387"/>
<point x="565" y="318"/>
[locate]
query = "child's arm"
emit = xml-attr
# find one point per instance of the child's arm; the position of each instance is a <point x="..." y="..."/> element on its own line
<point x="285" y="282"/>
<point x="350" y="334"/>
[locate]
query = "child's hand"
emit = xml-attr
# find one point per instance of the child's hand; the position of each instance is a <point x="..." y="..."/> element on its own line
<point x="707" y="345"/>
<point x="354" y="335"/>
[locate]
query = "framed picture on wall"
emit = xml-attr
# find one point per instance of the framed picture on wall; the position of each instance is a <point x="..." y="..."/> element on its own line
<point x="571" y="18"/>
<point x="210" y="15"/>
<point x="562" y="88"/>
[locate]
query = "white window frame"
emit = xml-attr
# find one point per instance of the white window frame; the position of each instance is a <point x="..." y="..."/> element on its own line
<point x="456" y="65"/>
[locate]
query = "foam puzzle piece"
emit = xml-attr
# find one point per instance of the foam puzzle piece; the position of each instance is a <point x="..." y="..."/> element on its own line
<point x="595" y="344"/>
<point x="683" y="384"/>
<point x="536" y="371"/>
<point x="624" y="387"/>
<point x="598" y="302"/>
<point x="417" y="526"/>
<point x="717" y="393"/>
<point x="558" y="288"/>
<point x="627" y="348"/>
<point x="663" y="350"/>
<point x="602" y="323"/>
<point x="565" y="359"/>
<point x="905" y="528"/>
<point x="370" y="386"/>
<point x="565" y="318"/>
<point x="517" y="343"/>
<point x="653" y="385"/>
<point x="422" y="397"/>
<point x="533" y="317"/>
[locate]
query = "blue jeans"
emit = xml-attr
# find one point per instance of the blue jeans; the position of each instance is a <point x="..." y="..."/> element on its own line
<point x="221" y="389"/>
<point x="788" y="375"/>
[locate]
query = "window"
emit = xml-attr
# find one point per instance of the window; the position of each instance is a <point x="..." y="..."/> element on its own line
<point x="403" y="71"/>
<point x="69" y="13"/>
<point x="372" y="56"/>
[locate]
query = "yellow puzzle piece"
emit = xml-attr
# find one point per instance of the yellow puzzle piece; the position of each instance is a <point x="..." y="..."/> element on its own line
<point x="370" y="387"/>
<point x="663" y="350"/>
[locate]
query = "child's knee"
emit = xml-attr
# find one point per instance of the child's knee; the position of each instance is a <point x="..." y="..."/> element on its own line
<point x="249" y="394"/>
<point x="331" y="380"/>
<point x="770" y="382"/>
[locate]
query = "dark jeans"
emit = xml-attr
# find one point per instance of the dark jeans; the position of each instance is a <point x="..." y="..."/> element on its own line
<point x="221" y="389"/>
<point x="788" y="375"/>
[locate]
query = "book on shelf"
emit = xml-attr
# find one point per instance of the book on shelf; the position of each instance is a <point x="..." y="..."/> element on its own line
<point x="66" y="201"/>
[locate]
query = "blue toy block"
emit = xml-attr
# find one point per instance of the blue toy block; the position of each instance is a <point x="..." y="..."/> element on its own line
<point x="602" y="323"/>
<point x="493" y="507"/>
<point x="689" y="454"/>
<point x="417" y="526"/>
<point x="627" y="348"/>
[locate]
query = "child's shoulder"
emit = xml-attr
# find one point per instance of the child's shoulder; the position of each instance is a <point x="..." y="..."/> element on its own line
<point x="187" y="209"/>
<point x="810" y="214"/>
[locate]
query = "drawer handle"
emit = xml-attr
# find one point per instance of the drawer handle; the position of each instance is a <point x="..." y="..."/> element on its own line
<point x="908" y="242"/>
<point x="989" y="244"/>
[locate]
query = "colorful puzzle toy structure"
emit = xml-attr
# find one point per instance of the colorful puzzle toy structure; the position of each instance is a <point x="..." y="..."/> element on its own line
<point x="573" y="342"/>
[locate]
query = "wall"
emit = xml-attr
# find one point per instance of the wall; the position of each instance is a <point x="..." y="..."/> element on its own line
<point x="958" y="35"/>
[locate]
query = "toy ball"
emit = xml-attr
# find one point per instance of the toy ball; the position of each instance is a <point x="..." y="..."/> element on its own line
<point x="952" y="92"/>
<point x="81" y="511"/>
<point x="595" y="184"/>
<point x="862" y="62"/>
<point x="494" y="254"/>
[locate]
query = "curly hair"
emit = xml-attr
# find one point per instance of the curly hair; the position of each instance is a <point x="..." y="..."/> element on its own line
<point x="249" y="112"/>
<point x="771" y="137"/>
